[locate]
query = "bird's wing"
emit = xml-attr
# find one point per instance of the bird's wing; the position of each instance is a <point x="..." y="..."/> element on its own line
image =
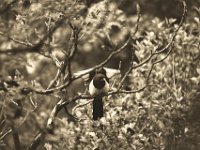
<point x="111" y="72"/>
<point x="84" y="74"/>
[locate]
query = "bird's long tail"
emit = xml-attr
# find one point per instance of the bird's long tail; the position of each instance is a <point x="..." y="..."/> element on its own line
<point x="97" y="107"/>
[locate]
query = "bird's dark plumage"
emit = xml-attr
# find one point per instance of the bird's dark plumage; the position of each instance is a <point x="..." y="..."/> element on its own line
<point x="97" y="88"/>
<point x="97" y="107"/>
<point x="99" y="81"/>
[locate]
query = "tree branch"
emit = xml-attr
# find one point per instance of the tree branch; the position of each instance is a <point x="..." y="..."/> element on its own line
<point x="32" y="48"/>
<point x="155" y="53"/>
<point x="37" y="140"/>
<point x="64" y="102"/>
<point x="16" y="41"/>
<point x="48" y="91"/>
<point x="138" y="19"/>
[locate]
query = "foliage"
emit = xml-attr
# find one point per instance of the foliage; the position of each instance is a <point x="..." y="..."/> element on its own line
<point x="43" y="43"/>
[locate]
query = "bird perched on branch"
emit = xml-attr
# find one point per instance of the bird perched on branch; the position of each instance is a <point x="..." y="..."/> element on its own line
<point x="98" y="86"/>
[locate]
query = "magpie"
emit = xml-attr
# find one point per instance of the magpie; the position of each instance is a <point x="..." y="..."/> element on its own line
<point x="98" y="86"/>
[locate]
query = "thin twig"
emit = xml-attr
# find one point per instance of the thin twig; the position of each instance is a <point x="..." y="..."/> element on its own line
<point x="138" y="19"/>
<point x="132" y="52"/>
<point x="170" y="44"/>
<point x="48" y="91"/>
<point x="16" y="41"/>
<point x="37" y="140"/>
<point x="76" y="32"/>
<point x="5" y="134"/>
<point x="36" y="47"/>
<point x="80" y="105"/>
<point x="174" y="71"/>
<point x="52" y="83"/>
<point x="54" y="112"/>
<point x="71" y="115"/>
<point x="176" y="31"/>
<point x="168" y="53"/>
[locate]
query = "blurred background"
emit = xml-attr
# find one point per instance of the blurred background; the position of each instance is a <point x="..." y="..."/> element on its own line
<point x="165" y="116"/>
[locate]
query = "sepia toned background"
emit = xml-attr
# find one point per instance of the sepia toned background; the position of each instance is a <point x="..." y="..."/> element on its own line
<point x="44" y="43"/>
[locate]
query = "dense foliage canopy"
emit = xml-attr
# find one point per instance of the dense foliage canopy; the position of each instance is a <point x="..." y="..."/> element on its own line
<point x="154" y="102"/>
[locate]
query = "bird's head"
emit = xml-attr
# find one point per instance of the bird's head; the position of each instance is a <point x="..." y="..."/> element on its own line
<point x="99" y="80"/>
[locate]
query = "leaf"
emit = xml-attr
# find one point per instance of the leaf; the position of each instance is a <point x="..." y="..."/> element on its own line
<point x="195" y="80"/>
<point x="48" y="146"/>
<point x="198" y="71"/>
<point x="92" y="134"/>
<point x="196" y="20"/>
<point x="160" y="124"/>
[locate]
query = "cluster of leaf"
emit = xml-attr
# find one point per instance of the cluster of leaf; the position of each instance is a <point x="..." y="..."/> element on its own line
<point x="160" y="117"/>
<point x="163" y="116"/>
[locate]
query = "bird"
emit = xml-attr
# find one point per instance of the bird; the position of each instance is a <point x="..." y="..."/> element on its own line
<point x="98" y="87"/>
